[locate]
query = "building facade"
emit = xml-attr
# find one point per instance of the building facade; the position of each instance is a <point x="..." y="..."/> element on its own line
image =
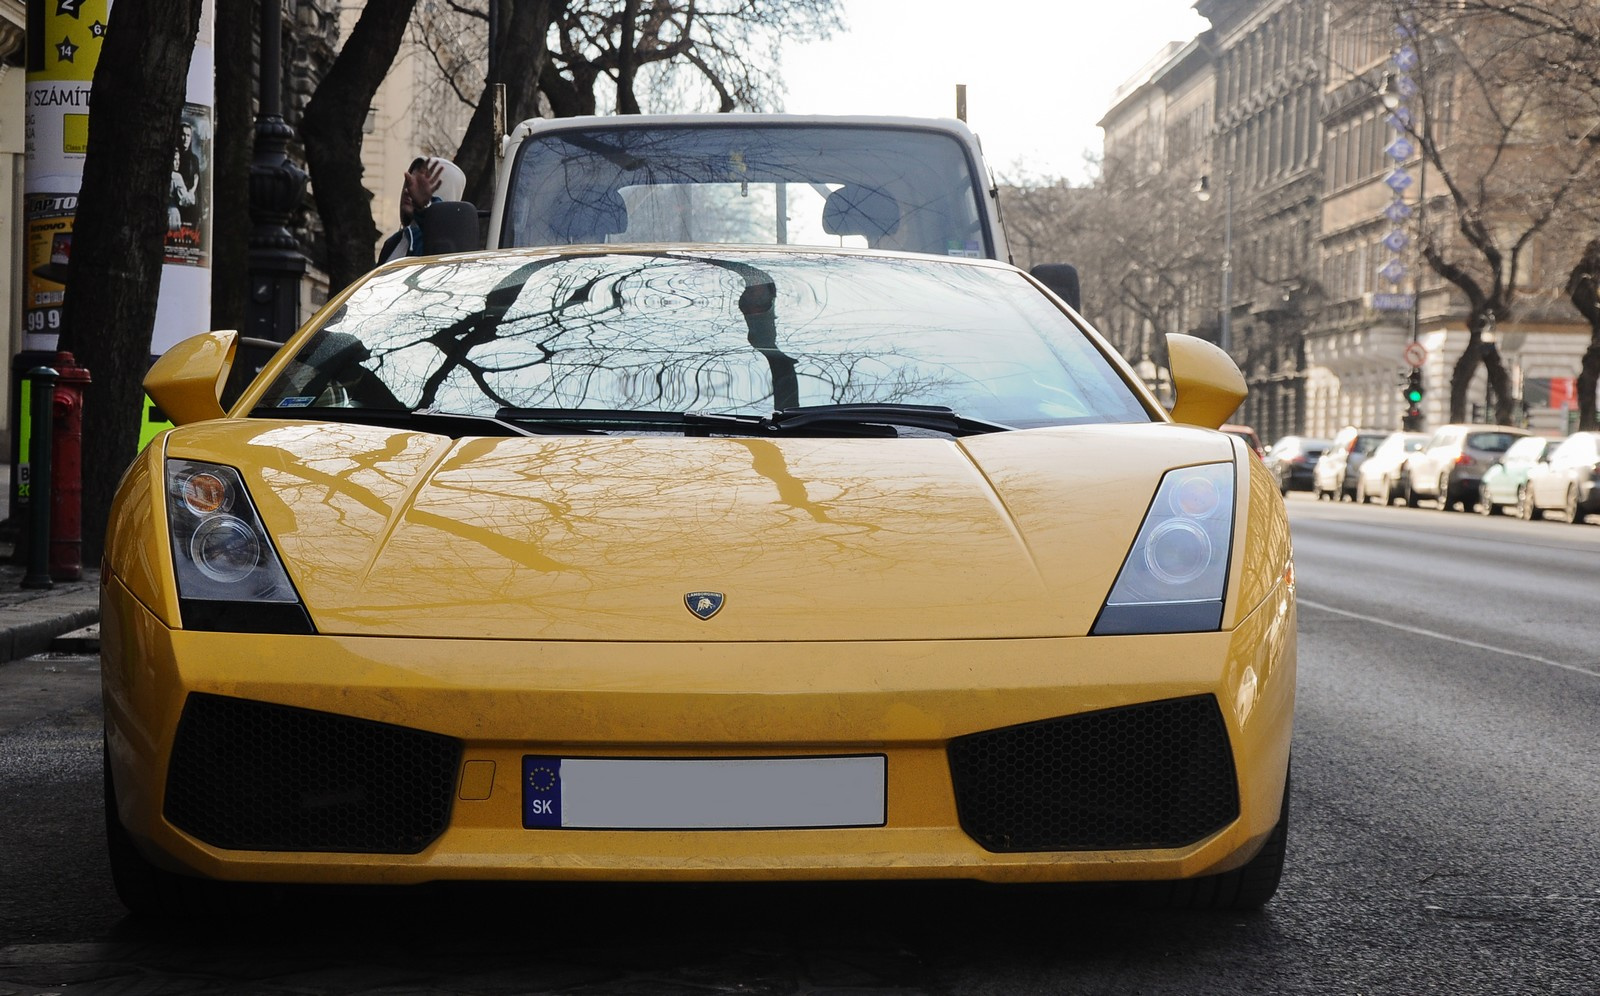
<point x="1157" y="149"/>
<point x="1327" y="289"/>
<point x="1268" y="149"/>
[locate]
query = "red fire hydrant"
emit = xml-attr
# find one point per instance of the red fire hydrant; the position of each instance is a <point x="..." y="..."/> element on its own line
<point x="66" y="477"/>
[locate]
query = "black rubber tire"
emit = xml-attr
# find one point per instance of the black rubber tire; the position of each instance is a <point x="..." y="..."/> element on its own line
<point x="1413" y="499"/>
<point x="1575" y="513"/>
<point x="149" y="891"/>
<point x="1444" y="495"/>
<point x="1247" y="887"/>
<point x="1526" y="509"/>
<point x="1486" y="505"/>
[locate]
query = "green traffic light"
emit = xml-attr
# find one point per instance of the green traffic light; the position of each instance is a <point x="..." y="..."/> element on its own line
<point x="1414" y="394"/>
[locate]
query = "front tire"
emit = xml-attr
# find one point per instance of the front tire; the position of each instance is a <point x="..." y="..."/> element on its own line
<point x="1526" y="509"/>
<point x="1247" y="887"/>
<point x="1575" y="513"/>
<point x="1413" y="500"/>
<point x="1486" y="505"/>
<point x="148" y="890"/>
<point x="1444" y="494"/>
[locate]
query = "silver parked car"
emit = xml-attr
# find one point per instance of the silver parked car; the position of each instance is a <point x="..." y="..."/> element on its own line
<point x="1335" y="474"/>
<point x="1451" y="466"/>
<point x="1567" y="479"/>
<point x="1383" y="474"/>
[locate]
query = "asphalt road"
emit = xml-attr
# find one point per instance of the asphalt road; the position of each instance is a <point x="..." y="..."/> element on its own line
<point x="1446" y="800"/>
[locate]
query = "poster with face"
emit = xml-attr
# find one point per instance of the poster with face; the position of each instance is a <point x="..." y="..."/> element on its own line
<point x="188" y="240"/>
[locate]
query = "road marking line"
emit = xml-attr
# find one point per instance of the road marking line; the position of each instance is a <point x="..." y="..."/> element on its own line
<point x="1452" y="639"/>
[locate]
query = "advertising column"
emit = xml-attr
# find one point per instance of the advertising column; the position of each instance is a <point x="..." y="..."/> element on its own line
<point x="64" y="42"/>
<point x="65" y="38"/>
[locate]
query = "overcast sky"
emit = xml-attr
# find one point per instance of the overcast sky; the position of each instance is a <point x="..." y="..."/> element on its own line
<point x="1039" y="73"/>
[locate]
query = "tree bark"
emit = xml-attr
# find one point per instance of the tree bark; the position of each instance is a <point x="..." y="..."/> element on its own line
<point x="331" y="130"/>
<point x="117" y="241"/>
<point x="524" y="46"/>
<point x="1583" y="289"/>
<point x="627" y="60"/>
<point x="231" y="148"/>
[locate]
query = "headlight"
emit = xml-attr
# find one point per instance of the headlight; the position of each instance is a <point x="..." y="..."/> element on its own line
<point x="1176" y="574"/>
<point x="229" y="576"/>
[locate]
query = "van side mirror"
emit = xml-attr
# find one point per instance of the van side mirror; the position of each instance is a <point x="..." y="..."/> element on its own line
<point x="1062" y="279"/>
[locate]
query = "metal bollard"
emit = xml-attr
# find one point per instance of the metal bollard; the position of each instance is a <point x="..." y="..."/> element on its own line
<point x="42" y="387"/>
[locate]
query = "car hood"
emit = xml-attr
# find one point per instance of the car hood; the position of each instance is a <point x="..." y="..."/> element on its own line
<point x="1012" y="534"/>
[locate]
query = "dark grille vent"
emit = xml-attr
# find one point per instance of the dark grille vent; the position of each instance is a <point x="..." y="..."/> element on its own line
<point x="257" y="776"/>
<point x="1143" y="776"/>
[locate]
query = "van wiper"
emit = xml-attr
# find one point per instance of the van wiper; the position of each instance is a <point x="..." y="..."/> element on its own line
<point x="935" y="417"/>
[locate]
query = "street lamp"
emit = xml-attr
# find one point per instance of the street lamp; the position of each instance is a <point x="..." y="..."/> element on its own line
<point x="1202" y="190"/>
<point x="1388" y="93"/>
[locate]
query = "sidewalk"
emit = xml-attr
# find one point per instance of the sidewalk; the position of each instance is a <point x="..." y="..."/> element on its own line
<point x="35" y="620"/>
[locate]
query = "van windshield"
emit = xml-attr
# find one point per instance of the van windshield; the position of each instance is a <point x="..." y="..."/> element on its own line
<point x="863" y="186"/>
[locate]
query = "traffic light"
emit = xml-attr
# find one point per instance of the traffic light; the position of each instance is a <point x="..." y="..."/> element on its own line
<point x="1413" y="388"/>
<point x="1411" y="391"/>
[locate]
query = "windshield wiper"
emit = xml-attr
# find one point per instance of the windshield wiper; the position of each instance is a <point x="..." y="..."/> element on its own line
<point x="834" y="419"/>
<point x="455" y="424"/>
<point x="613" y="419"/>
<point x="935" y="417"/>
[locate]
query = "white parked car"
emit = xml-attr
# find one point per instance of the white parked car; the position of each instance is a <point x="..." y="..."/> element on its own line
<point x="1382" y="474"/>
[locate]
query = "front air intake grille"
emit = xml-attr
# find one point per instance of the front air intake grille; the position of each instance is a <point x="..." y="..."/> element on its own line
<point x="1144" y="776"/>
<point x="262" y="777"/>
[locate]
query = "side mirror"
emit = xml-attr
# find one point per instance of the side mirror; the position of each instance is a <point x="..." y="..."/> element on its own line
<point x="1206" y="381"/>
<point x="186" y="382"/>
<point x="450" y="226"/>
<point x="1062" y="279"/>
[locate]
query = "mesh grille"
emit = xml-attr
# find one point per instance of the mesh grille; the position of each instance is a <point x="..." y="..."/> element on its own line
<point x="1154" y="775"/>
<point x="257" y="776"/>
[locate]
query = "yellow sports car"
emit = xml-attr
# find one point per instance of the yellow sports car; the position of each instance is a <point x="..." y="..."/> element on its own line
<point x="690" y="563"/>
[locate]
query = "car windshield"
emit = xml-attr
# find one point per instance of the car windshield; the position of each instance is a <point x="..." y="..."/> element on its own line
<point x="750" y="332"/>
<point x="898" y="188"/>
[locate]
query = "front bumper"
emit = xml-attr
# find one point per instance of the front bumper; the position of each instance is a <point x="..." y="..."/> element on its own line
<point x="498" y="701"/>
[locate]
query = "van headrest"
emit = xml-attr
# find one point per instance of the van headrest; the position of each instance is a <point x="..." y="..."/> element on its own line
<point x="857" y="210"/>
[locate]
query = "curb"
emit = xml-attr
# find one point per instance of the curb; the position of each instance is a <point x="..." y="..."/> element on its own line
<point x="32" y="621"/>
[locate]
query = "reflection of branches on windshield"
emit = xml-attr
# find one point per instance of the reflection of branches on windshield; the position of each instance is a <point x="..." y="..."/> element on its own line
<point x="664" y="331"/>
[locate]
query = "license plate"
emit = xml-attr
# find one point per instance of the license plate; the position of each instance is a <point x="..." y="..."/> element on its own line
<point x="731" y="793"/>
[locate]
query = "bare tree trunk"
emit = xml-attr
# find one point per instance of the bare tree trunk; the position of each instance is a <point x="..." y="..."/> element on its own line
<point x="331" y="129"/>
<point x="1494" y="367"/>
<point x="1588" y="378"/>
<point x="627" y="60"/>
<point x="232" y="144"/>
<point x="523" y="45"/>
<point x="1583" y="289"/>
<point x="117" y="250"/>
<point x="1466" y="366"/>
